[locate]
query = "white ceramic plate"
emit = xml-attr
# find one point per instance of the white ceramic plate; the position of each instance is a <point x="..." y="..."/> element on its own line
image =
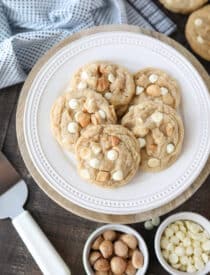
<point x="146" y="191"/>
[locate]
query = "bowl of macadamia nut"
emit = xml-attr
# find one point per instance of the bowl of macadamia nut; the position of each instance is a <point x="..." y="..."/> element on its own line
<point x="182" y="244"/>
<point x="115" y="249"/>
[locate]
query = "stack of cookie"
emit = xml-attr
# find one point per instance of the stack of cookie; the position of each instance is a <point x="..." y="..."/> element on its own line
<point x="115" y="122"/>
<point x="198" y="25"/>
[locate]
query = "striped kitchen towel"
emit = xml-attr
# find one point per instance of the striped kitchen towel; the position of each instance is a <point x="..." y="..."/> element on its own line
<point x="28" y="28"/>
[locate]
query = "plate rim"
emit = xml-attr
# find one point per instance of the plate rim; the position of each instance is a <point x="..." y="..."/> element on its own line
<point x="124" y="28"/>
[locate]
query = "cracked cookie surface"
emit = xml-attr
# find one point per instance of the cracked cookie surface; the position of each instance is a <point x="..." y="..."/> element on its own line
<point x="73" y="112"/>
<point x="108" y="155"/>
<point x="157" y="85"/>
<point x="160" y="132"/>
<point x="112" y="81"/>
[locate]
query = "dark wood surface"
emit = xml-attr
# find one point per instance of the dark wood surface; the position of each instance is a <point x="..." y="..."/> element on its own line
<point x="66" y="231"/>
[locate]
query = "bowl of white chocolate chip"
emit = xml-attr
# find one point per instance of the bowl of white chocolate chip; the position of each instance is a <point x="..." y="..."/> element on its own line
<point x="115" y="249"/>
<point x="182" y="244"/>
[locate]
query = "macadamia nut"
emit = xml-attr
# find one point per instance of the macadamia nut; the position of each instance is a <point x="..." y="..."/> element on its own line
<point x="106" y="249"/>
<point x="130" y="240"/>
<point x="121" y="249"/>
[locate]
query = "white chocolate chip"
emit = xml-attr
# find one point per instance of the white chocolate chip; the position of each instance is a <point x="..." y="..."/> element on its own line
<point x="173" y="258"/>
<point x="191" y="268"/>
<point x="199" y="264"/>
<point x="84" y="75"/>
<point x="195" y="228"/>
<point x="174" y="227"/>
<point x="111" y="78"/>
<point x="85" y="174"/>
<point x="108" y="95"/>
<point x="157" y="117"/>
<point x="198" y="22"/>
<point x="153" y="78"/>
<point x="169" y="232"/>
<point x="179" y="223"/>
<point x="94" y="163"/>
<point x="77" y="115"/>
<point x="176" y="266"/>
<point x="117" y="176"/>
<point x="179" y="251"/>
<point x="170" y="247"/>
<point x="184" y="260"/>
<point x="163" y="90"/>
<point x="206" y="246"/>
<point x="148" y="225"/>
<point x="142" y="142"/>
<point x="102" y="114"/>
<point x="165" y="254"/>
<point x="96" y="149"/>
<point x="205" y="257"/>
<point x="189" y="250"/>
<point x="197" y="251"/>
<point x="112" y="154"/>
<point x="72" y="127"/>
<point x="186" y="242"/>
<point x="156" y="221"/>
<point x="183" y="228"/>
<point x="200" y="39"/>
<point x="153" y="162"/>
<point x="139" y="90"/>
<point x="73" y="103"/>
<point x="180" y="235"/>
<point x="82" y="85"/>
<point x="170" y="148"/>
<point x="163" y="242"/>
<point x="174" y="240"/>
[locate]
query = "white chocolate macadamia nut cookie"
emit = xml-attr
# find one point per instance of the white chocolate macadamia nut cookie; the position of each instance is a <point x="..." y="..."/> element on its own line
<point x="183" y="6"/>
<point x="198" y="31"/>
<point x="155" y="84"/>
<point x="108" y="155"/>
<point x="114" y="82"/>
<point x="160" y="132"/>
<point x="73" y="112"/>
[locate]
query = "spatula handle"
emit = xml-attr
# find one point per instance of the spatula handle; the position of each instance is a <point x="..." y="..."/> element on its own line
<point x="45" y="255"/>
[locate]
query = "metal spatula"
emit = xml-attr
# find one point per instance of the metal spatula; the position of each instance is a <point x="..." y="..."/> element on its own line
<point x="11" y="206"/>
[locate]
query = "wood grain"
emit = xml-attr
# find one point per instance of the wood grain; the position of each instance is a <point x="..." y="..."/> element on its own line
<point x="65" y="230"/>
<point x="50" y="191"/>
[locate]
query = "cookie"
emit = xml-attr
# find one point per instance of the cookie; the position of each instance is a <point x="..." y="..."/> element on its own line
<point x="155" y="84"/>
<point x="160" y="132"/>
<point x="183" y="6"/>
<point x="198" y="32"/>
<point x="74" y="111"/>
<point x="108" y="155"/>
<point x="112" y="81"/>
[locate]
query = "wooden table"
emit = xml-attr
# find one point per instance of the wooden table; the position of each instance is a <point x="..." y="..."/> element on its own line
<point x="66" y="231"/>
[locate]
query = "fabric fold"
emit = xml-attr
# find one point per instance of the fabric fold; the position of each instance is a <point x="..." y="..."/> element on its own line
<point x="29" y="28"/>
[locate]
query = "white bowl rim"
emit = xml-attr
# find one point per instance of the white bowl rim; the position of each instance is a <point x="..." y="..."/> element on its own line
<point x="191" y="216"/>
<point x="121" y="228"/>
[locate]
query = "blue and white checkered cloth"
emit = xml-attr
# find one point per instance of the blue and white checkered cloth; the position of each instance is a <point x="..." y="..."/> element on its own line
<point x="28" y="28"/>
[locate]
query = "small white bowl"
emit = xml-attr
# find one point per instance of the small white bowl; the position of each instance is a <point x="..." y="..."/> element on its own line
<point x="120" y="228"/>
<point x="180" y="216"/>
